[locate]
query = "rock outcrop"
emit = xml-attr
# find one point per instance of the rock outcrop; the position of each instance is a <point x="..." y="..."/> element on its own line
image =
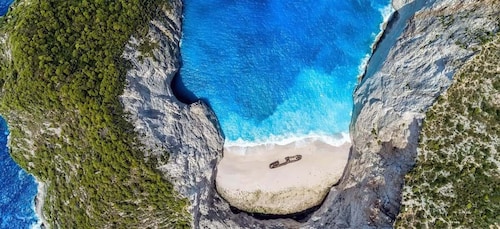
<point x="414" y="62"/>
<point x="187" y="135"/>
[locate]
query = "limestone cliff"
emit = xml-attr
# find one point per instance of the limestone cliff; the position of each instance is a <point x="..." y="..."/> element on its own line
<point x="188" y="134"/>
<point x="413" y="63"/>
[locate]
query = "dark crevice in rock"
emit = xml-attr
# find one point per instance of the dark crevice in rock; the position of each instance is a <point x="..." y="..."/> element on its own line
<point x="180" y="91"/>
<point x="388" y="27"/>
<point x="300" y="217"/>
<point x="395" y="17"/>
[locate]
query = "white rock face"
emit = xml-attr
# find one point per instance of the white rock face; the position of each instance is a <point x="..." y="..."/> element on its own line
<point x="413" y="63"/>
<point x="189" y="134"/>
<point x="398" y="4"/>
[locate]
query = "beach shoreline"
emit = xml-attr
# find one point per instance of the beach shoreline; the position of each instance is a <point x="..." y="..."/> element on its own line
<point x="334" y="140"/>
<point x="247" y="182"/>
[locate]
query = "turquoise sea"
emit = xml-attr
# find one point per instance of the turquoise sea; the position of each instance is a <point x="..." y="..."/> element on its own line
<point x="275" y="70"/>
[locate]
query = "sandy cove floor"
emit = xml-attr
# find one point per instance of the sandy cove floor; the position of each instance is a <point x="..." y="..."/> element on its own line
<point x="245" y="180"/>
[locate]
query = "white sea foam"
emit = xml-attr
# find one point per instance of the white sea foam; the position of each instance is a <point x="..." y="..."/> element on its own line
<point x="37" y="225"/>
<point x="363" y="64"/>
<point x="386" y="13"/>
<point x="334" y="140"/>
<point x="38" y="209"/>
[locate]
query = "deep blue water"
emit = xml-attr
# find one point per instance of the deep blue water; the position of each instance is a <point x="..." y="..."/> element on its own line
<point x="17" y="189"/>
<point x="4" y="6"/>
<point x="275" y="69"/>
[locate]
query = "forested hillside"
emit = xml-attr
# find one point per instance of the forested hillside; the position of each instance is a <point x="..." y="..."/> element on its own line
<point x="61" y="75"/>
<point x="456" y="181"/>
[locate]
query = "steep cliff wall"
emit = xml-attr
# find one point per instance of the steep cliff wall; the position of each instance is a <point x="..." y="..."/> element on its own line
<point x="405" y="75"/>
<point x="413" y="63"/>
<point x="188" y="134"/>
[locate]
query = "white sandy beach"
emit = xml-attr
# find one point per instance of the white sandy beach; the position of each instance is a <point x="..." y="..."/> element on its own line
<point x="245" y="180"/>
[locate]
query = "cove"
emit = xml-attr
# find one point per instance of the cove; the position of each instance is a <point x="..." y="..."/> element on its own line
<point x="279" y="76"/>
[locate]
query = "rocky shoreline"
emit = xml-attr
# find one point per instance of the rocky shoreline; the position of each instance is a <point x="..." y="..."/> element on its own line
<point x="39" y="199"/>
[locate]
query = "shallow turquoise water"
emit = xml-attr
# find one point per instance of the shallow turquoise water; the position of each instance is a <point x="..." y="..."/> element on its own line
<point x="276" y="69"/>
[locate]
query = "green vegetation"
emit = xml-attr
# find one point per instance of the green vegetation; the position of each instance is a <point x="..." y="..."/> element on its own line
<point x="61" y="74"/>
<point x="456" y="181"/>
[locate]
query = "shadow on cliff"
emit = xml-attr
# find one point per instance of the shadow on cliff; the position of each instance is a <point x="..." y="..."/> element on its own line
<point x="180" y="90"/>
<point x="186" y="96"/>
<point x="394" y="28"/>
<point x="302" y="216"/>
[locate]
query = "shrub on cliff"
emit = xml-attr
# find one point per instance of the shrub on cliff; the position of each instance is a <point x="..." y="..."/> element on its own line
<point x="456" y="181"/>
